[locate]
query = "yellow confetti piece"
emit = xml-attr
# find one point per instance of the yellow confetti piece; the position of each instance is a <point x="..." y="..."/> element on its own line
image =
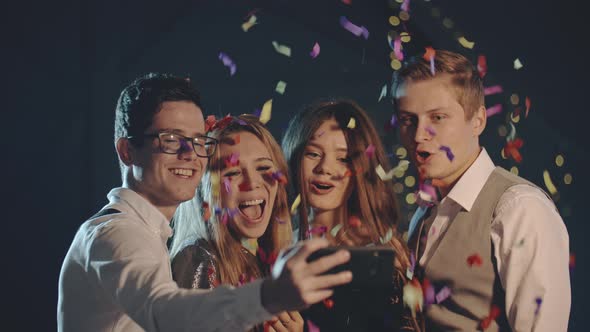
<point x="389" y="175"/>
<point x="514" y="99"/>
<point x="395" y="64"/>
<point x="394" y="20"/>
<point x="514" y="117"/>
<point x="559" y="160"/>
<point x="413" y="297"/>
<point x="517" y="64"/>
<point x="514" y="170"/>
<point x="401" y="152"/>
<point x="548" y="183"/>
<point x="281" y="87"/>
<point x="410" y="181"/>
<point x="567" y="178"/>
<point x="250" y="23"/>
<point x="266" y="110"/>
<point x="351" y="123"/>
<point x="282" y="49"/>
<point x="466" y="43"/>
<point x="411" y="198"/>
<point x="295" y="205"/>
<point x="405" y="37"/>
<point x="503" y="154"/>
<point x="214" y="178"/>
<point x="448" y="23"/>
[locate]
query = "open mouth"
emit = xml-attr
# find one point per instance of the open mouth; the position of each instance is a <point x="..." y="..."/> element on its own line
<point x="321" y="187"/>
<point x="422" y="156"/>
<point x="252" y="209"/>
<point x="184" y="173"/>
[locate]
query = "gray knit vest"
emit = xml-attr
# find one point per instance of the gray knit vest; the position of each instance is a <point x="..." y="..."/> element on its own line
<point x="473" y="289"/>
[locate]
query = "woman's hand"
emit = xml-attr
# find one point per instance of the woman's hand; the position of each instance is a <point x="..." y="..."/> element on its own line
<point x="286" y="321"/>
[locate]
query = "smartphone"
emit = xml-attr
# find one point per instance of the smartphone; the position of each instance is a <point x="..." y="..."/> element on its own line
<point x="372" y="267"/>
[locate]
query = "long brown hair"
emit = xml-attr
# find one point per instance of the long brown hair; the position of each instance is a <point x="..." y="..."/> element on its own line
<point x="189" y="225"/>
<point x="372" y="200"/>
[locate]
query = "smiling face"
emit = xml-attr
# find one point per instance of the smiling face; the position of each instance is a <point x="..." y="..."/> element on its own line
<point x="166" y="180"/>
<point x="431" y="122"/>
<point x="324" y="168"/>
<point x="246" y="184"/>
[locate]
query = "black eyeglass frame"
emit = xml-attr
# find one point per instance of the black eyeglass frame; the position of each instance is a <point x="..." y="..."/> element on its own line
<point x="207" y="140"/>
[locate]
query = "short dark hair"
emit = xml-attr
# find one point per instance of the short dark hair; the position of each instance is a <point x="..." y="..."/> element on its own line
<point x="143" y="98"/>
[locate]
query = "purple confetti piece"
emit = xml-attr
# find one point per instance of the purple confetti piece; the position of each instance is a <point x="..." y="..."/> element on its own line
<point x="397" y="48"/>
<point x="224" y="218"/>
<point x="448" y="151"/>
<point x="232" y="212"/>
<point x="315" y="51"/>
<point x="228" y="62"/>
<point x="432" y="70"/>
<point x="430" y="131"/>
<point x="370" y="151"/>
<point x="493" y="110"/>
<point x="405" y="5"/>
<point x="257" y="112"/>
<point x="393" y="121"/>
<point x="538" y="300"/>
<point x="354" y="29"/>
<point x="428" y="295"/>
<point x="443" y="294"/>
<point x="492" y="90"/>
<point x="217" y="210"/>
<point x="242" y="122"/>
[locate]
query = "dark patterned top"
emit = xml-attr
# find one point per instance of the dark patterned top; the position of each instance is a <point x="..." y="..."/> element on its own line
<point x="374" y="311"/>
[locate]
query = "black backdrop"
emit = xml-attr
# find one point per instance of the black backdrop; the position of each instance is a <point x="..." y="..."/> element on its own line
<point x="66" y="63"/>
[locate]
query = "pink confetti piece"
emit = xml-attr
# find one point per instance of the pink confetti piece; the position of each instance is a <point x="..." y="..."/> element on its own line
<point x="492" y="90"/>
<point x="319" y="230"/>
<point x="232" y="160"/>
<point x="397" y="48"/>
<point x="348" y="2"/>
<point x="224" y="218"/>
<point x="443" y="294"/>
<point x="354" y="29"/>
<point x="370" y="151"/>
<point x="279" y="176"/>
<point x="311" y="327"/>
<point x="430" y="131"/>
<point x="493" y="110"/>
<point x="428" y="292"/>
<point x="228" y="62"/>
<point x="448" y="151"/>
<point x="405" y="5"/>
<point x="227" y="185"/>
<point x="315" y="51"/>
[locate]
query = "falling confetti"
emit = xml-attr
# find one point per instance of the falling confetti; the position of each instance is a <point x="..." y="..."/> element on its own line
<point x="538" y="301"/>
<point x="405" y="5"/>
<point x="443" y="294"/>
<point x="383" y="93"/>
<point x="474" y="259"/>
<point x="329" y="303"/>
<point x="266" y="110"/>
<point x="281" y="87"/>
<point x="511" y="149"/>
<point x="387" y="236"/>
<point x="311" y="327"/>
<point x="351" y="123"/>
<point x="493" y="110"/>
<point x="334" y="231"/>
<point x="315" y="51"/>
<point x="492" y="90"/>
<point x="370" y="151"/>
<point x="494" y="313"/>
<point x="354" y="29"/>
<point x="548" y="183"/>
<point x="318" y="230"/>
<point x="279" y="176"/>
<point x="482" y="66"/>
<point x="227" y="185"/>
<point x="413" y="297"/>
<point x="428" y="291"/>
<point x="397" y="49"/>
<point x="354" y="221"/>
<point x="403" y="164"/>
<point x="517" y="64"/>
<point x="206" y="211"/>
<point x="209" y="122"/>
<point x="295" y="204"/>
<point x="448" y="152"/>
<point x="228" y="62"/>
<point x="465" y="43"/>
<point x="248" y="24"/>
<point x="430" y="131"/>
<point x="282" y="49"/>
<point x="527" y="103"/>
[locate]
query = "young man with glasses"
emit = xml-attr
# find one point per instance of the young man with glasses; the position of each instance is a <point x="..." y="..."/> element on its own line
<point x="116" y="275"/>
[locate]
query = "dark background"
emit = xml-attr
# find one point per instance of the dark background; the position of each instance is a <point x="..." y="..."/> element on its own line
<point x="66" y="63"/>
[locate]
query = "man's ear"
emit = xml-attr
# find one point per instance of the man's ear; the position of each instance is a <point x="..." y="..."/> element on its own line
<point x="125" y="150"/>
<point x="479" y="120"/>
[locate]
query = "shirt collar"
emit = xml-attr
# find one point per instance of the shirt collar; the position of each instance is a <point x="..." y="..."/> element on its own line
<point x="472" y="181"/>
<point x="153" y="218"/>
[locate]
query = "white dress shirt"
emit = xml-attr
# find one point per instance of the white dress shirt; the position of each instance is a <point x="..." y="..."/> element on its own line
<point x="116" y="276"/>
<point x="531" y="247"/>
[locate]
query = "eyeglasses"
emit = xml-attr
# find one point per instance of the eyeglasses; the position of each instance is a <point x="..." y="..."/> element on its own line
<point x="170" y="143"/>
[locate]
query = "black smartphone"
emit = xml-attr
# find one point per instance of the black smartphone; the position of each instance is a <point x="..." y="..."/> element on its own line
<point x="372" y="267"/>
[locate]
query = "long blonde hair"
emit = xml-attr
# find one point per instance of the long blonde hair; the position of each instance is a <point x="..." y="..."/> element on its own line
<point x="189" y="225"/>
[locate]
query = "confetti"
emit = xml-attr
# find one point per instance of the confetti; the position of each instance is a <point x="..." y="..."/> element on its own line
<point x="432" y="68"/>
<point x="354" y="29"/>
<point x="397" y="49"/>
<point x="266" y="111"/>
<point x="281" y="87"/>
<point x="448" y="151"/>
<point x="329" y="303"/>
<point x="493" y="110"/>
<point x="279" y="176"/>
<point x="527" y="103"/>
<point x="206" y="211"/>
<point x="318" y="230"/>
<point x="474" y="259"/>
<point x="334" y="231"/>
<point x="232" y="212"/>
<point x="227" y="185"/>
<point x="214" y="179"/>
<point x="403" y="164"/>
<point x="572" y="263"/>
<point x="295" y="204"/>
<point x="370" y="151"/>
<point x="548" y="183"/>
<point x="282" y="49"/>
<point x="430" y="131"/>
<point x="429" y="54"/>
<point x="228" y="62"/>
<point x="209" y="122"/>
<point x="538" y="301"/>
<point x="428" y="292"/>
<point x="492" y="90"/>
<point x="465" y="43"/>
<point x="315" y="51"/>
<point x="224" y="218"/>
<point x="517" y="64"/>
<point x="511" y="149"/>
<point x="482" y="66"/>
<point x="512" y="134"/>
<point x="494" y="313"/>
<point x="413" y="297"/>
<point x="387" y="236"/>
<point x="354" y="221"/>
<point x="383" y="93"/>
<point x="311" y="327"/>
<point x="405" y="5"/>
<point x="443" y="294"/>
<point x="351" y="123"/>
<point x="248" y="24"/>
